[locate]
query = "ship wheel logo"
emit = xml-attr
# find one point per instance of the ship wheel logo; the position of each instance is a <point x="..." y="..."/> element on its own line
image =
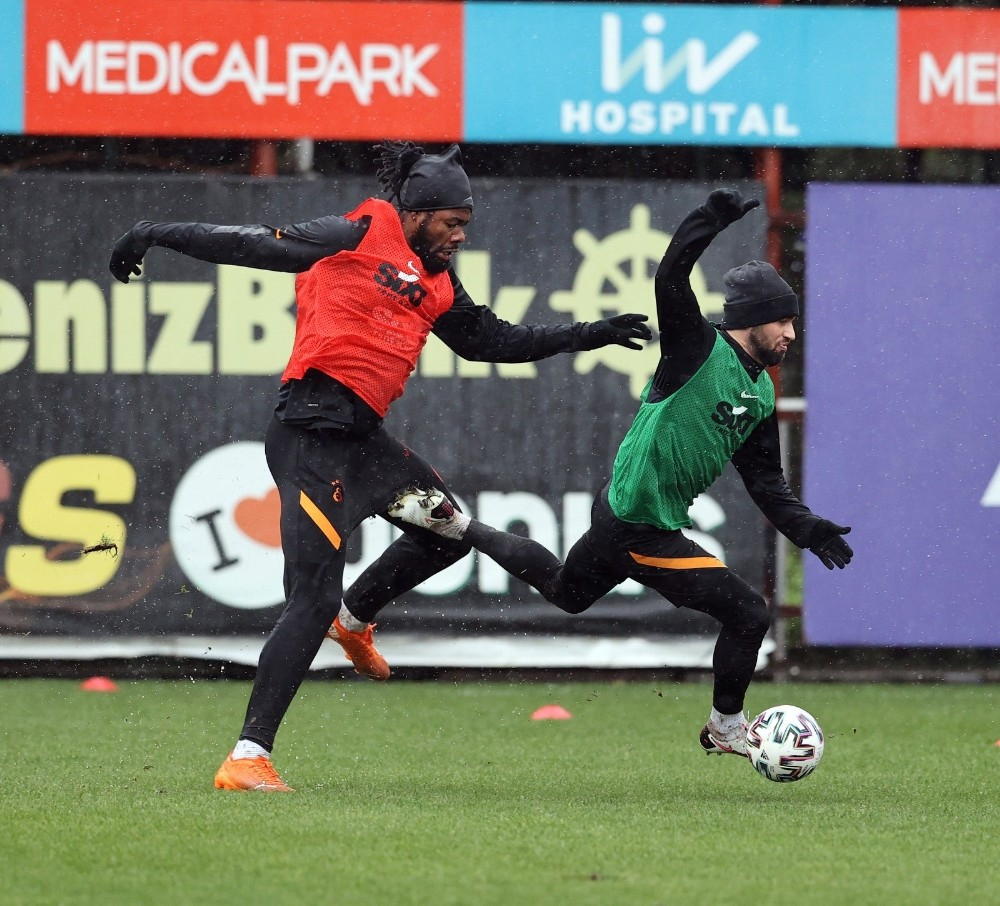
<point x="615" y="277"/>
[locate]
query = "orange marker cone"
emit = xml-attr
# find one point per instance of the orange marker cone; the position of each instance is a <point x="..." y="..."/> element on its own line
<point x="98" y="684"/>
<point x="551" y="712"/>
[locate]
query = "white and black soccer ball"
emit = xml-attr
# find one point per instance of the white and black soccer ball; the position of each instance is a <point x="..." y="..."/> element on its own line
<point x="784" y="743"/>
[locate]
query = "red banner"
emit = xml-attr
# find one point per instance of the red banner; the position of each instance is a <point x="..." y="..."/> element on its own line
<point x="949" y="90"/>
<point x="233" y="68"/>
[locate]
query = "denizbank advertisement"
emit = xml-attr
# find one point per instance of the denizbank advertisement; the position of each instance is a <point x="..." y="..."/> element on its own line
<point x="137" y="511"/>
<point x="684" y="74"/>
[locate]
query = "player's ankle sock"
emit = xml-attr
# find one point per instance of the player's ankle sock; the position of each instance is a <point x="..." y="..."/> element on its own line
<point x="247" y="748"/>
<point x="350" y="622"/>
<point x="726" y="722"/>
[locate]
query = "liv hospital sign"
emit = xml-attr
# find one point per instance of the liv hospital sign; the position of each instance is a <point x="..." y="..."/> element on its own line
<point x="699" y="75"/>
<point x="608" y="74"/>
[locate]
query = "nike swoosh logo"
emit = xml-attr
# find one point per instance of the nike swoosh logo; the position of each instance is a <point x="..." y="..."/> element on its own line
<point x="748" y="396"/>
<point x="409" y="278"/>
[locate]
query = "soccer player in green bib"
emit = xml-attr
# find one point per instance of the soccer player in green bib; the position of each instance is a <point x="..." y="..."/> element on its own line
<point x="709" y="402"/>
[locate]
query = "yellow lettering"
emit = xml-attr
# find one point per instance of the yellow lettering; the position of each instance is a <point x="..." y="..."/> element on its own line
<point x="70" y="316"/>
<point x="176" y="351"/>
<point x="128" y="327"/>
<point x="15" y="328"/>
<point x="43" y="515"/>
<point x="256" y="324"/>
<point x="436" y="359"/>
<point x="153" y="328"/>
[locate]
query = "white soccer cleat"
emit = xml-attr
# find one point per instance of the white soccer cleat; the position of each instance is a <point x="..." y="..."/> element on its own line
<point x="429" y="510"/>
<point x="718" y="742"/>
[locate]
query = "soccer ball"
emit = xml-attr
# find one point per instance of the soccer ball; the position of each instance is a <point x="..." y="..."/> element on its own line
<point x="784" y="743"/>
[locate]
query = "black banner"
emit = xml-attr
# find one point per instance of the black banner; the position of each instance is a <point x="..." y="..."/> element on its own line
<point x="133" y="416"/>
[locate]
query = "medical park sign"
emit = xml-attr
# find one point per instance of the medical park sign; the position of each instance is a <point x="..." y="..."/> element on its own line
<point x="502" y="72"/>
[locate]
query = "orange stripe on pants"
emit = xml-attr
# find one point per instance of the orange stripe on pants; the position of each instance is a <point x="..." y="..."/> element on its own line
<point x="322" y="523"/>
<point x="678" y="562"/>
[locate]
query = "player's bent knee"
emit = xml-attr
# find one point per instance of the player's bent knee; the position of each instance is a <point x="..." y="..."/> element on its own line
<point x="572" y="607"/>
<point x="747" y="617"/>
<point x="756" y="619"/>
<point x="556" y="591"/>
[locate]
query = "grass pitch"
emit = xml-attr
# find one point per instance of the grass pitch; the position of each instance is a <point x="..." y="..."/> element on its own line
<point x="448" y="793"/>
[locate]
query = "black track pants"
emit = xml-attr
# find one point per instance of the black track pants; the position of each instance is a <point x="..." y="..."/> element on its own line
<point x="329" y="483"/>
<point x="667" y="562"/>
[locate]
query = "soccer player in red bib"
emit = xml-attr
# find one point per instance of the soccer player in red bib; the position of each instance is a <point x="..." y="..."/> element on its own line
<point x="370" y="286"/>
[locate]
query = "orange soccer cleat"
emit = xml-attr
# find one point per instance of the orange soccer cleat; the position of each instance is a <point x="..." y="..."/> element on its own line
<point x="360" y="650"/>
<point x="257" y="774"/>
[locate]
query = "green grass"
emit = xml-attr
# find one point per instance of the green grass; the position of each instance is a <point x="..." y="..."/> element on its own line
<point x="448" y="793"/>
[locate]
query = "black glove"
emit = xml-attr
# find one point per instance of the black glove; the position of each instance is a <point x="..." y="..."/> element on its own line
<point x="825" y="542"/>
<point x="127" y="255"/>
<point x="622" y="330"/>
<point x="728" y="206"/>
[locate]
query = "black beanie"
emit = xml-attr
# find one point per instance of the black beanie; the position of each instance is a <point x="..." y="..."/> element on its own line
<point x="756" y="294"/>
<point x="436" y="182"/>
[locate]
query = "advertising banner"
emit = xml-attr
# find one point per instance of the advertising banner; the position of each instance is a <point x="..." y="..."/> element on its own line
<point x="493" y="72"/>
<point x="902" y="436"/>
<point x="949" y="78"/>
<point x="12" y="66"/>
<point x="134" y="414"/>
<point x="230" y="68"/>
<point x="676" y="74"/>
<point x="679" y="74"/>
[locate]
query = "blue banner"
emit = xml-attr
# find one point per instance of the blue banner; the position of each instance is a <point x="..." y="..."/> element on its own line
<point x="12" y="67"/>
<point x="697" y="75"/>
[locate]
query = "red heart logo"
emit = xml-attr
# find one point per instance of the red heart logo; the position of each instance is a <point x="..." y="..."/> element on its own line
<point x="259" y="518"/>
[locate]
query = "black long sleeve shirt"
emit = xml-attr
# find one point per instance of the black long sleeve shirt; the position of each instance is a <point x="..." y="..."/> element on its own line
<point x="471" y="330"/>
<point x="686" y="339"/>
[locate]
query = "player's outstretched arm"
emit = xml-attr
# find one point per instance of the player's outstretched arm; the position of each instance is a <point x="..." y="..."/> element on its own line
<point x="127" y="255"/>
<point x="290" y="249"/>
<point x="678" y="314"/>
<point x="695" y="233"/>
<point x="758" y="462"/>
<point x="728" y="206"/>
<point x="826" y="542"/>
<point x="474" y="332"/>
<point x="621" y="330"/>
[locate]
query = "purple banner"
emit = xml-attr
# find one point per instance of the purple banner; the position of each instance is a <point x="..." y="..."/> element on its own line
<point x="902" y="317"/>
